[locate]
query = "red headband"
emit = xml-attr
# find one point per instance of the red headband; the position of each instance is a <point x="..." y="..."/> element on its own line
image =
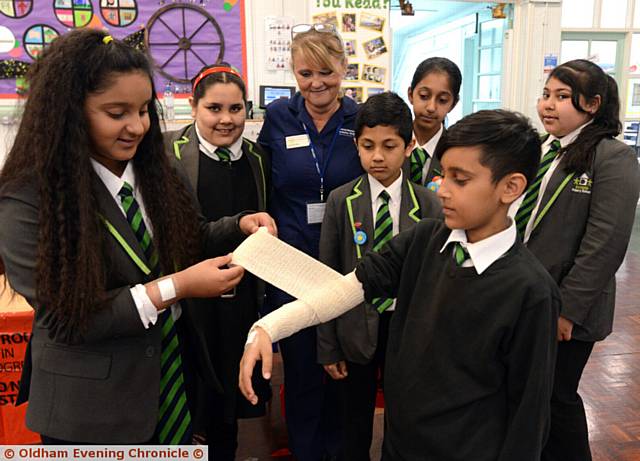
<point x="213" y="70"/>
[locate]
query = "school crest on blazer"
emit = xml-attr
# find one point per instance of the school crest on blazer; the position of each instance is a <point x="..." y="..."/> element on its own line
<point x="582" y="185"/>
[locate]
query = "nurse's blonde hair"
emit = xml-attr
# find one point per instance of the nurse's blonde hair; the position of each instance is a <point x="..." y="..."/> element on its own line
<point x="320" y="49"/>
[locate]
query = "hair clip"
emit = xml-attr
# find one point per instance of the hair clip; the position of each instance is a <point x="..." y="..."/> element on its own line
<point x="107" y="39"/>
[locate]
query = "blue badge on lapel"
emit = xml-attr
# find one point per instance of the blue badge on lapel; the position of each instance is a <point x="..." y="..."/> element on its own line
<point x="582" y="185"/>
<point x="434" y="185"/>
<point x="360" y="237"/>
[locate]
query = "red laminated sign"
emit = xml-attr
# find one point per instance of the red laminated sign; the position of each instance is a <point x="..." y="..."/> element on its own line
<point x="16" y="317"/>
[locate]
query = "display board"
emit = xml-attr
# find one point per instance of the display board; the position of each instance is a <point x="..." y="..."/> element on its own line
<point x="180" y="36"/>
<point x="364" y="28"/>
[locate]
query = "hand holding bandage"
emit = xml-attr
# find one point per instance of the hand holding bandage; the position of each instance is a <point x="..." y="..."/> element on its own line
<point x="323" y="294"/>
<point x="206" y="279"/>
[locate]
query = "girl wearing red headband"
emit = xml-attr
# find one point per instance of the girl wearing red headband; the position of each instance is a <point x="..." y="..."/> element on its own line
<point x="229" y="174"/>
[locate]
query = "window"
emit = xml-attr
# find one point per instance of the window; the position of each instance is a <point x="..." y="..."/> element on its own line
<point x="489" y="67"/>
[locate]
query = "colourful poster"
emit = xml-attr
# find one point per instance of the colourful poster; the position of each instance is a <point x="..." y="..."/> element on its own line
<point x="181" y="36"/>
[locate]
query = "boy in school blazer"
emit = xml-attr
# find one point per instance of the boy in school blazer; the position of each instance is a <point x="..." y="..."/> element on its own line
<point x="352" y="346"/>
<point x="350" y="206"/>
<point x="222" y="321"/>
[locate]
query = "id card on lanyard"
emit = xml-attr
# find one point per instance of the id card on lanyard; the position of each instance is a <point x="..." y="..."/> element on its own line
<point x="315" y="210"/>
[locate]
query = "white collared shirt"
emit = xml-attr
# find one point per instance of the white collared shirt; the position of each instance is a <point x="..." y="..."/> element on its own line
<point x="485" y="252"/>
<point x="395" y="196"/>
<point x="146" y="309"/>
<point x="209" y="149"/>
<point x="430" y="149"/>
<point x="564" y="142"/>
<point x="114" y="184"/>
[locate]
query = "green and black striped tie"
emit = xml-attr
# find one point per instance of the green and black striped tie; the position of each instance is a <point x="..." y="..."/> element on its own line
<point x="382" y="233"/>
<point x="174" y="423"/>
<point x="224" y="154"/>
<point x="531" y="198"/>
<point x="417" y="160"/>
<point x="461" y="254"/>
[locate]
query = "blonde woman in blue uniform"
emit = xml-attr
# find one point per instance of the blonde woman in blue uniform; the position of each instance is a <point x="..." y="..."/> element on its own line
<point x="311" y="142"/>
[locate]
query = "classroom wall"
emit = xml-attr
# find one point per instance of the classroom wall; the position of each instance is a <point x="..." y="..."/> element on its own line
<point x="535" y="33"/>
<point x="255" y="13"/>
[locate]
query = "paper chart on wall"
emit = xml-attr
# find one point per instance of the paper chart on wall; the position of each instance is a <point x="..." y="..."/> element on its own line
<point x="277" y="44"/>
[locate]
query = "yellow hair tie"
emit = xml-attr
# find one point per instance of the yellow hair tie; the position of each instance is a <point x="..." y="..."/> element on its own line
<point x="107" y="39"/>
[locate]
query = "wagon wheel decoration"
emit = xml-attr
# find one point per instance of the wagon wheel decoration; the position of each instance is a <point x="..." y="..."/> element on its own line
<point x="73" y="13"/>
<point x="182" y="38"/>
<point x="37" y="37"/>
<point x="16" y="8"/>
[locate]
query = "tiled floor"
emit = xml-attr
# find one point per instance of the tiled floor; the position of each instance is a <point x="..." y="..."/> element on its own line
<point x="610" y="385"/>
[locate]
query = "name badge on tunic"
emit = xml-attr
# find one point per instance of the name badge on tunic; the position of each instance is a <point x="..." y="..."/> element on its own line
<point x="315" y="212"/>
<point x="299" y="140"/>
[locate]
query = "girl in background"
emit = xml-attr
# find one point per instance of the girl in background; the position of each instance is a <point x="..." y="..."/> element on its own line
<point x="229" y="174"/>
<point x="434" y="92"/>
<point x="576" y="217"/>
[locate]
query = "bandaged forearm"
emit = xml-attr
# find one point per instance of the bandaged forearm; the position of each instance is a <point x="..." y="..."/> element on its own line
<point x="323" y="294"/>
<point x="318" y="306"/>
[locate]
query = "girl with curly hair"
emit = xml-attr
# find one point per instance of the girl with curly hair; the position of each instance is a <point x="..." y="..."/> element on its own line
<point x="101" y="234"/>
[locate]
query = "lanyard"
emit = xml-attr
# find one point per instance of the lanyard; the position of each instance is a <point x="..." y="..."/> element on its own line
<point x="322" y="171"/>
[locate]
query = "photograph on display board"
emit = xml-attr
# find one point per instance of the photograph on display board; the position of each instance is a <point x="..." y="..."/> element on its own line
<point x="374" y="91"/>
<point x="353" y="72"/>
<point x="349" y="22"/>
<point x="326" y="18"/>
<point x="353" y="92"/>
<point x="350" y="47"/>
<point x="375" y="47"/>
<point x="372" y="21"/>
<point x="374" y="74"/>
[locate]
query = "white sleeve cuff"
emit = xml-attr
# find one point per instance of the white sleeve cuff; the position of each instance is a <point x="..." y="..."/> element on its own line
<point x="147" y="311"/>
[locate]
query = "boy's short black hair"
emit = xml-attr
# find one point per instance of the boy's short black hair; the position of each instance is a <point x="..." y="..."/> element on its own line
<point x="510" y="144"/>
<point x="386" y="109"/>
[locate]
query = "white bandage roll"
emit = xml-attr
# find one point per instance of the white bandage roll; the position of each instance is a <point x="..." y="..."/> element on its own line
<point x="323" y="294"/>
<point x="282" y="265"/>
